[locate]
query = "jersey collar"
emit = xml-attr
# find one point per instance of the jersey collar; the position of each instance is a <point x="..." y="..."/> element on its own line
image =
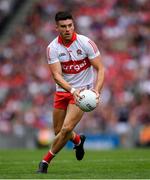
<point x="74" y="37"/>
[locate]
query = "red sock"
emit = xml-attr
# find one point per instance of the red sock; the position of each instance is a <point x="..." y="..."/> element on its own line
<point x="48" y="157"/>
<point x="76" y="140"/>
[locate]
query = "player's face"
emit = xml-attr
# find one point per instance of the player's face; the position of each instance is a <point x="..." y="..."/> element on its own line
<point x="66" y="29"/>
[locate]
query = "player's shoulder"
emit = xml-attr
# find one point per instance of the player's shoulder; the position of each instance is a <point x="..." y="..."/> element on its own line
<point x="82" y="38"/>
<point x="53" y="43"/>
<point x="85" y="41"/>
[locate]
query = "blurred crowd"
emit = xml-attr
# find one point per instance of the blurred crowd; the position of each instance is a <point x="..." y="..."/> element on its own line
<point x="7" y="9"/>
<point x="120" y="28"/>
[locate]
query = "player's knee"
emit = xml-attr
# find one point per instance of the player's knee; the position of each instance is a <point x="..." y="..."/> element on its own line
<point x="66" y="131"/>
<point x="56" y="131"/>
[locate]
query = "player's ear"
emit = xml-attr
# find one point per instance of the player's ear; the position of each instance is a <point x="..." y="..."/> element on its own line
<point x="56" y="27"/>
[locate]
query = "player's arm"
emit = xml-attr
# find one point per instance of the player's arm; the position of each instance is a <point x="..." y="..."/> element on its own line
<point x="95" y="60"/>
<point x="97" y="64"/>
<point x="55" y="67"/>
<point x="56" y="71"/>
<point x="57" y="76"/>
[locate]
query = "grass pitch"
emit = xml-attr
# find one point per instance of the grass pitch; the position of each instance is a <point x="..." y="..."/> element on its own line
<point x="110" y="164"/>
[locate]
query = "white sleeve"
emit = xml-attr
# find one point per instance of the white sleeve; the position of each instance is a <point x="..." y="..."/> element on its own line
<point x="92" y="49"/>
<point x="52" y="55"/>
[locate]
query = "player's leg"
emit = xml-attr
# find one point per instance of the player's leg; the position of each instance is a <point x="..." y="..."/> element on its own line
<point x="73" y="116"/>
<point x="58" y="119"/>
<point x="59" y="114"/>
<point x="61" y="102"/>
<point x="77" y="139"/>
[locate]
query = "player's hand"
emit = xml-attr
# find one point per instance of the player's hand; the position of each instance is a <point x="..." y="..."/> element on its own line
<point x="97" y="95"/>
<point x="77" y="95"/>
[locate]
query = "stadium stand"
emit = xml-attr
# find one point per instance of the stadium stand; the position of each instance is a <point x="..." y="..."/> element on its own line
<point x="7" y="10"/>
<point x="122" y="31"/>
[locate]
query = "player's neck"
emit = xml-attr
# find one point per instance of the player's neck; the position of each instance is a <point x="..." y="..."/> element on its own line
<point x="66" y="41"/>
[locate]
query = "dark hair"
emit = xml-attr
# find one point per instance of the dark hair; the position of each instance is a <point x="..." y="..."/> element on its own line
<point x="63" y="15"/>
